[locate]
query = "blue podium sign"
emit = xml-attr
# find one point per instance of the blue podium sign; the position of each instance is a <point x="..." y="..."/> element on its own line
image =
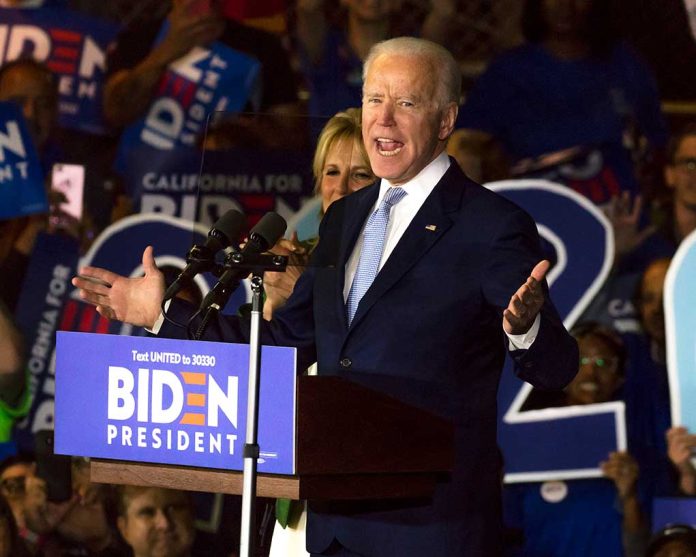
<point x="680" y="329"/>
<point x="565" y="442"/>
<point x="171" y="401"/>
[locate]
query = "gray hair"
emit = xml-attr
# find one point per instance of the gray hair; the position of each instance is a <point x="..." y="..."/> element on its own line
<point x="449" y="84"/>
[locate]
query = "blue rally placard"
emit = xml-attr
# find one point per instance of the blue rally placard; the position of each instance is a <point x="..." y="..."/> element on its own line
<point x="680" y="329"/>
<point x="205" y="80"/>
<point x="22" y="190"/>
<point x="171" y="401"/>
<point x="73" y="46"/>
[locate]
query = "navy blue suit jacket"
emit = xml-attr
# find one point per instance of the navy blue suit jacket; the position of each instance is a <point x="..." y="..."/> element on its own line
<point x="428" y="331"/>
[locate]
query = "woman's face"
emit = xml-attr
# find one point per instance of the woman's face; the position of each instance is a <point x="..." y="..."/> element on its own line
<point x="345" y="171"/>
<point x="599" y="375"/>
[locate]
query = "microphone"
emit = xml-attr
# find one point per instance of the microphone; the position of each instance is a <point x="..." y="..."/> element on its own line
<point x="202" y="258"/>
<point x="264" y="235"/>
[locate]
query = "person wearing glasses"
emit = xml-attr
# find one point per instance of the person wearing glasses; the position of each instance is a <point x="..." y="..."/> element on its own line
<point x="588" y="517"/>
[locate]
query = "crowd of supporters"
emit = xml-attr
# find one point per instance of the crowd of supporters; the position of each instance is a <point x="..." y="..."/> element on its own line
<point x="574" y="98"/>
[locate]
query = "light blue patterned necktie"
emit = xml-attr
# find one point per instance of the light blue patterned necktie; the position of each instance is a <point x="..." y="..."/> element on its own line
<point x="372" y="248"/>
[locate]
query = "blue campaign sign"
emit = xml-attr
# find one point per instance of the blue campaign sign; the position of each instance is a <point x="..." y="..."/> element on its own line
<point x="48" y="303"/>
<point x="680" y="328"/>
<point x="40" y="313"/>
<point x="206" y="80"/>
<point x="673" y="510"/>
<point x="255" y="181"/>
<point x="73" y="45"/>
<point x="22" y="190"/>
<point x="171" y="401"/>
<point x="583" y="246"/>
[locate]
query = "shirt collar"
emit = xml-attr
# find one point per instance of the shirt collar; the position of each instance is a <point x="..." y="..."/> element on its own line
<point x="420" y="186"/>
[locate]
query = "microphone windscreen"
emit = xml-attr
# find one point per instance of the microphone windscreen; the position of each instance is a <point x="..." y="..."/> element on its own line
<point x="226" y="230"/>
<point x="268" y="230"/>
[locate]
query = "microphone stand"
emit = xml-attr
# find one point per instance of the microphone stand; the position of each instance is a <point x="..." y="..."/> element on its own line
<point x="257" y="264"/>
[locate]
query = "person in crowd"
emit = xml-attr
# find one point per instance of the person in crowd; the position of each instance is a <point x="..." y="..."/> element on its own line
<point x="448" y="231"/>
<point x="33" y="87"/>
<point x="156" y="522"/>
<point x="561" y="105"/>
<point x="11" y="544"/>
<point x="14" y="395"/>
<point x="340" y="167"/>
<point x="675" y="540"/>
<point x="78" y="525"/>
<point x="332" y="56"/>
<point x="137" y="63"/>
<point x="14" y="471"/>
<point x="586" y="517"/>
<point x="680" y="178"/>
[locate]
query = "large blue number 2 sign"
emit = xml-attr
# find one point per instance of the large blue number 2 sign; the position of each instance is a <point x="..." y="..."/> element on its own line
<point x="560" y="443"/>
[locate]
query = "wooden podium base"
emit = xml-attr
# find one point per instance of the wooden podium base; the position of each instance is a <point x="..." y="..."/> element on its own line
<point x="340" y="486"/>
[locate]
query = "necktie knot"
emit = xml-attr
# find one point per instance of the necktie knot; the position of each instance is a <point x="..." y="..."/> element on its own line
<point x="393" y="196"/>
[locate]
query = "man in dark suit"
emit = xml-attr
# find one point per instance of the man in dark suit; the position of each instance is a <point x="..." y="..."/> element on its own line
<point x="418" y="286"/>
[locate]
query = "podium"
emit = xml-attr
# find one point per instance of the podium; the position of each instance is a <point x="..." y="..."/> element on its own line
<point x="351" y="443"/>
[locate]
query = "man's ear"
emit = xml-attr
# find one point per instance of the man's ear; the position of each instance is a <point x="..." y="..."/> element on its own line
<point x="669" y="176"/>
<point x="447" y="121"/>
<point x="121" y="525"/>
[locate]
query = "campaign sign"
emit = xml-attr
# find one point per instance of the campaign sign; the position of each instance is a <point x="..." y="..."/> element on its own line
<point x="565" y="442"/>
<point x="22" y="190"/>
<point x="673" y="510"/>
<point x="206" y="80"/>
<point x="73" y="46"/>
<point x="48" y="302"/>
<point x="40" y="313"/>
<point x="171" y="401"/>
<point x="680" y="328"/>
<point x="254" y="181"/>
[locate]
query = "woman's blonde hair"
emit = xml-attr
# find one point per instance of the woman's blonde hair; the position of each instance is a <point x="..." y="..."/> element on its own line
<point x="343" y="125"/>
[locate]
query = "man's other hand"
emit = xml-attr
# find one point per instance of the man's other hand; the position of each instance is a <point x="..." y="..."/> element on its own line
<point x="525" y="304"/>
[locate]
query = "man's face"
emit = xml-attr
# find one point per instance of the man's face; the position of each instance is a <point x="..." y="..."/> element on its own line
<point x="35" y="95"/>
<point x="680" y="175"/>
<point x="403" y="128"/>
<point x="13" y="481"/>
<point x="566" y="17"/>
<point x="158" y="523"/>
<point x="651" y="309"/>
<point x="371" y="10"/>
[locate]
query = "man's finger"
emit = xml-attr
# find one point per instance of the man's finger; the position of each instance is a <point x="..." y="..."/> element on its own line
<point x="539" y="272"/>
<point x="91" y="286"/>
<point x="149" y="264"/>
<point x="98" y="274"/>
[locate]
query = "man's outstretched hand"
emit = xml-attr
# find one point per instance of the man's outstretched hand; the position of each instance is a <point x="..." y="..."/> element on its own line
<point x="525" y="304"/>
<point x="132" y="300"/>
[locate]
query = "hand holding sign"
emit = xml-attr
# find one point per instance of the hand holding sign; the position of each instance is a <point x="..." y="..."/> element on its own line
<point x="131" y="300"/>
<point x="190" y="24"/>
<point x="525" y="304"/>
<point x="680" y="448"/>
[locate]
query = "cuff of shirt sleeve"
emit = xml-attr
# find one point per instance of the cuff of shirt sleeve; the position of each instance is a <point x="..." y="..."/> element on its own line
<point x="525" y="340"/>
<point x="160" y="320"/>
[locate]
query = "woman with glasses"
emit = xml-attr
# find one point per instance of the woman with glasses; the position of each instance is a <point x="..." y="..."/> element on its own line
<point x="589" y="517"/>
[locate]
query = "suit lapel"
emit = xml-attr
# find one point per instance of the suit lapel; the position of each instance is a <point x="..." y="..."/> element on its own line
<point x="427" y="227"/>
